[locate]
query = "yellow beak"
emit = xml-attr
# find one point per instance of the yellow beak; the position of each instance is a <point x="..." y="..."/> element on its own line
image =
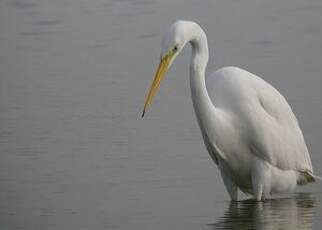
<point x="163" y="67"/>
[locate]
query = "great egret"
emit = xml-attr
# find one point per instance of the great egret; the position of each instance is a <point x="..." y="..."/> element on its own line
<point x="248" y="127"/>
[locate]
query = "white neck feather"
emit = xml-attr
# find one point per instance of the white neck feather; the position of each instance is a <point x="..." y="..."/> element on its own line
<point x="199" y="60"/>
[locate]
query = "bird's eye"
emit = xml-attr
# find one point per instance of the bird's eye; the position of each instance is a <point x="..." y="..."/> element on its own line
<point x="175" y="48"/>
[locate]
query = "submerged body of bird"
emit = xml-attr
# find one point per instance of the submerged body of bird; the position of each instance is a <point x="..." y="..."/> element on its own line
<point x="248" y="127"/>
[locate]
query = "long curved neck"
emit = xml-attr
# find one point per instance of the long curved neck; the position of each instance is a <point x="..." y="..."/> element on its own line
<point x="199" y="60"/>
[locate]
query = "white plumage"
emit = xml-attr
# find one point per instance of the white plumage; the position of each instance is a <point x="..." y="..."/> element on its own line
<point x="248" y="127"/>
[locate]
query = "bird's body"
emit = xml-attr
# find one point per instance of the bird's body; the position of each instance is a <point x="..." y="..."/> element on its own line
<point x="248" y="127"/>
<point x="253" y="125"/>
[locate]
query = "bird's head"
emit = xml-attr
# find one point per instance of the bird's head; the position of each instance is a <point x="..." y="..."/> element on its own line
<point x="174" y="40"/>
<point x="172" y="44"/>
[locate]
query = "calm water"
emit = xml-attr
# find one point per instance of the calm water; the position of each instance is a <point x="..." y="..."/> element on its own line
<point x="75" y="153"/>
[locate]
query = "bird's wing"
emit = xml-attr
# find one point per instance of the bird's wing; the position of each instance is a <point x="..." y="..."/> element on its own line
<point x="264" y="122"/>
<point x="272" y="132"/>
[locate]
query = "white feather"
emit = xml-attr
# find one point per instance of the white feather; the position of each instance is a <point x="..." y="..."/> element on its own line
<point x="248" y="127"/>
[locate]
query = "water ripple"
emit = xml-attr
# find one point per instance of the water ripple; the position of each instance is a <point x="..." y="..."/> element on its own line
<point x="284" y="213"/>
<point x="22" y="4"/>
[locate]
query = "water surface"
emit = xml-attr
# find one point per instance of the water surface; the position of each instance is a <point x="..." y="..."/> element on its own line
<point x="75" y="153"/>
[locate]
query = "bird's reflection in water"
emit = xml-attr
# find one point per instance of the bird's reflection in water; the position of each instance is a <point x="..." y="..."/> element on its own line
<point x="284" y="213"/>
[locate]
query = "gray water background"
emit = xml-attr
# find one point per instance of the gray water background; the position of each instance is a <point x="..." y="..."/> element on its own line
<point x="75" y="153"/>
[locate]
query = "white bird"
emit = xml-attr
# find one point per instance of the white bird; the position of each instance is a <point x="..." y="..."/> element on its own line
<point x="248" y="127"/>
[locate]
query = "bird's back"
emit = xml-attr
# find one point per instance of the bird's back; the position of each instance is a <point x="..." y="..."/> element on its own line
<point x="263" y="120"/>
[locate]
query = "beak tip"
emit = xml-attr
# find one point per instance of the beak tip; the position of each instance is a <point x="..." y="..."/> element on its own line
<point x="143" y="114"/>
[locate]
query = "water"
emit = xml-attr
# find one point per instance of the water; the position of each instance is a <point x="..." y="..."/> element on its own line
<point x="75" y="153"/>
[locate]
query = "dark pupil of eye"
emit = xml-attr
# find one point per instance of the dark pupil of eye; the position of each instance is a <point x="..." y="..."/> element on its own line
<point x="175" y="48"/>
